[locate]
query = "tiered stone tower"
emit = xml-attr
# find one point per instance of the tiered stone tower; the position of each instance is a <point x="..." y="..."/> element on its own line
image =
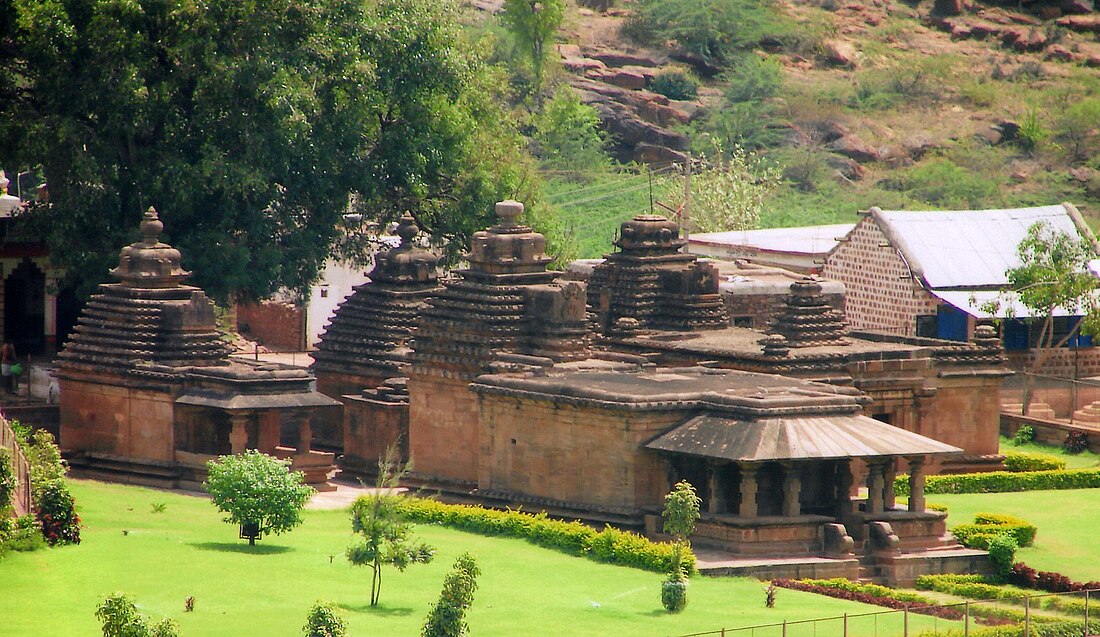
<point x="506" y="302"/>
<point x="148" y="316"/>
<point x="148" y="389"/>
<point x="366" y="346"/>
<point x="367" y="340"/>
<point x="807" y="320"/>
<point x="650" y="284"/>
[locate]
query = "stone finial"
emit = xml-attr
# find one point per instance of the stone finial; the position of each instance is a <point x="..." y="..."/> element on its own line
<point x="775" y="346"/>
<point x="986" y="336"/>
<point x="407" y="230"/>
<point x="508" y="211"/>
<point x="151" y="226"/>
<point x="649" y="234"/>
<point x="149" y="263"/>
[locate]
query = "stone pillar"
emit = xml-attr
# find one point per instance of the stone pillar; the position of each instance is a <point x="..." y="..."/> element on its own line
<point x="50" y="328"/>
<point x="792" y="489"/>
<point x="748" y="489"/>
<point x="843" y="488"/>
<point x="889" y="472"/>
<point x="916" y="484"/>
<point x="238" y="435"/>
<point x="305" y="434"/>
<point x="874" y="487"/>
<point x="716" y="503"/>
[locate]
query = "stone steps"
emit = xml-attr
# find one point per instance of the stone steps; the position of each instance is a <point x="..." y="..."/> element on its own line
<point x="1089" y="413"/>
<point x="1036" y="410"/>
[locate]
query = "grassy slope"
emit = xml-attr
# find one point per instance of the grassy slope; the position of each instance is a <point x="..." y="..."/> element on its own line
<point x="1084" y="460"/>
<point x="267" y="590"/>
<point x="1067" y="522"/>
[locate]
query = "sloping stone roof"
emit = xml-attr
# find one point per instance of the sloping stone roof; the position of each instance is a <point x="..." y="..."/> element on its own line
<point x="370" y="331"/>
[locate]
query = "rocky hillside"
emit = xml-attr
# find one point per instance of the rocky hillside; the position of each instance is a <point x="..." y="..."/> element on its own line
<point x="944" y="104"/>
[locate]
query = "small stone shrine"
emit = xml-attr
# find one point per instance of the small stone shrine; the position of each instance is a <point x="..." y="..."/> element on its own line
<point x="367" y="344"/>
<point x="944" y="390"/>
<point x="506" y="303"/>
<point x="149" y="393"/>
<point x="650" y="284"/>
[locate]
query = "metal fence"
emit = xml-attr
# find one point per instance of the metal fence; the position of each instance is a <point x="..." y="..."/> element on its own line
<point x="21" y="499"/>
<point x="1028" y="610"/>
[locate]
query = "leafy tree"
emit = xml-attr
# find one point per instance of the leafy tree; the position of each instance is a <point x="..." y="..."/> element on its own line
<point x="728" y="192"/>
<point x="386" y="536"/>
<point x="569" y="135"/>
<point x="1077" y="125"/>
<point x="448" y="616"/>
<point x="533" y="23"/>
<point x="325" y="621"/>
<point x="121" y="619"/>
<point x="681" y="512"/>
<point x="257" y="491"/>
<point x="248" y="125"/>
<point x="1053" y="275"/>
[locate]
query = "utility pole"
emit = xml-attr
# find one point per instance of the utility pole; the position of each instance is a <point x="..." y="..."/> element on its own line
<point x="687" y="199"/>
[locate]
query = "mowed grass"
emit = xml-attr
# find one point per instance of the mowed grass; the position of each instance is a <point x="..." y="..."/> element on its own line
<point x="1067" y="522"/>
<point x="267" y="590"/>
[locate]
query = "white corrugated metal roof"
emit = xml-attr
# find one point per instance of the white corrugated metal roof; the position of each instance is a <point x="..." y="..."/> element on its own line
<point x="803" y="240"/>
<point x="966" y="248"/>
<point x="971" y="302"/>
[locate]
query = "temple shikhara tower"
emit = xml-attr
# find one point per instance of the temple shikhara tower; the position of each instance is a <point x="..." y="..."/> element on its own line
<point x="148" y="390"/>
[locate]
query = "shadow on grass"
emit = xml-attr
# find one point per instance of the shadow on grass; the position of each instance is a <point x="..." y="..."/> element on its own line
<point x="381" y="610"/>
<point x="241" y="547"/>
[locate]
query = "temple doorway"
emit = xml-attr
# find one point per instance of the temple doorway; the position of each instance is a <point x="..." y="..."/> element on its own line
<point x="25" y="308"/>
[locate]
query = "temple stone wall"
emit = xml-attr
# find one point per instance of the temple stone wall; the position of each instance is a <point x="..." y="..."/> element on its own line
<point x="274" y="324"/>
<point x="443" y="435"/>
<point x="966" y="412"/>
<point x="572" y="454"/>
<point x="1065" y="362"/>
<point x="337" y="384"/>
<point x="881" y="293"/>
<point x="375" y="421"/>
<point x="117" y="420"/>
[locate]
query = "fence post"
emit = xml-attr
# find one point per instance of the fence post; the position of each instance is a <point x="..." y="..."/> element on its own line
<point x="846" y="625"/>
<point x="784" y="628"/>
<point x="1086" y="613"/>
<point x="905" y="622"/>
<point x="1027" y="616"/>
<point x="966" y="620"/>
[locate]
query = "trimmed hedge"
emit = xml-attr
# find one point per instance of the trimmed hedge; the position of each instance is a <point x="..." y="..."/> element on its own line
<point x="1024" y="576"/>
<point x="1004" y="482"/>
<point x="611" y="545"/>
<point x="970" y="534"/>
<point x="1017" y="461"/>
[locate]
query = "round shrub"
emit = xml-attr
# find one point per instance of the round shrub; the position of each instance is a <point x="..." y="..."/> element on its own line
<point x="674" y="593"/>
<point x="1076" y="442"/>
<point x="1002" y="553"/>
<point x="324" y="620"/>
<point x="1023" y="435"/>
<point x="675" y="86"/>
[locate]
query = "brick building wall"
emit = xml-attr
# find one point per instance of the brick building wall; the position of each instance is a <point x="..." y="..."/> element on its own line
<point x="881" y="293"/>
<point x="276" y="325"/>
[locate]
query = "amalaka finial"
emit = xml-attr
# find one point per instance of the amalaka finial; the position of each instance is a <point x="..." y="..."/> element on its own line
<point x="407" y="229"/>
<point x="508" y="211"/>
<point x="151" y="227"/>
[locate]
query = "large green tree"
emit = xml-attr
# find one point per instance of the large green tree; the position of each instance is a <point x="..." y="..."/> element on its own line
<point x="250" y="124"/>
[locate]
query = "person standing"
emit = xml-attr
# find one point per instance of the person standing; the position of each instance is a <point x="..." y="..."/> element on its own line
<point x="7" y="359"/>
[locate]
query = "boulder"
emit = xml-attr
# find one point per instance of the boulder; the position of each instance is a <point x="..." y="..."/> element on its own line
<point x="1059" y="53"/>
<point x="1077" y="6"/>
<point x="620" y="58"/>
<point x="949" y="7"/>
<point x="1024" y="39"/>
<point x="846" y="167"/>
<point x="1093" y="60"/>
<point x="1082" y="174"/>
<point x="852" y="146"/>
<point x="653" y="154"/>
<point x="617" y="77"/>
<point x="1081" y="23"/>
<point x="917" y="145"/>
<point x="840" y="52"/>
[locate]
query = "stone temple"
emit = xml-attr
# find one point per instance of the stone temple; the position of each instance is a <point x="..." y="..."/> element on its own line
<point x="149" y="393"/>
<point x="521" y="387"/>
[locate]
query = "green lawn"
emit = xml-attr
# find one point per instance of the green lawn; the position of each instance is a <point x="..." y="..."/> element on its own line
<point x="1083" y="460"/>
<point x="1067" y="522"/>
<point x="267" y="590"/>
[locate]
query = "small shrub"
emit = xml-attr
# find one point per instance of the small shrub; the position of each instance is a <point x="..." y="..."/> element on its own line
<point x="769" y="596"/>
<point x="324" y="620"/>
<point x="25" y="535"/>
<point x="752" y="79"/>
<point x="1076" y="442"/>
<point x="675" y="86"/>
<point x="7" y="479"/>
<point x="1032" y="132"/>
<point x="674" y="593"/>
<point x="448" y="616"/>
<point x="159" y="507"/>
<point x="121" y="618"/>
<point x="1023" y="435"/>
<point x="1002" y="554"/>
<point x="56" y="513"/>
